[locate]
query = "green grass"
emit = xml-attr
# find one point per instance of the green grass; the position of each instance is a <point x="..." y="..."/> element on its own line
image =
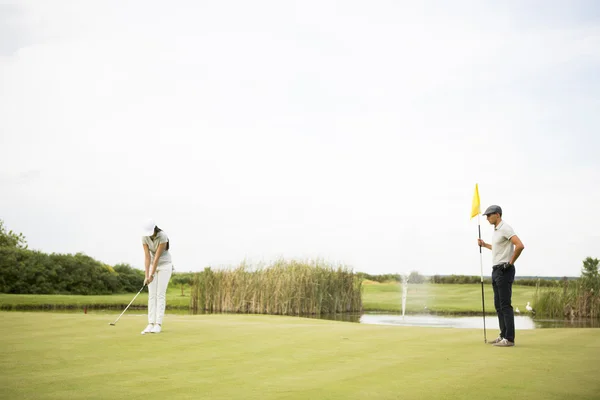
<point x="33" y="301"/>
<point x="376" y="297"/>
<point x="442" y="298"/>
<point x="78" y="356"/>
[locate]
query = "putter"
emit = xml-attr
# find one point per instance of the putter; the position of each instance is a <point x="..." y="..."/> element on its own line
<point x="113" y="323"/>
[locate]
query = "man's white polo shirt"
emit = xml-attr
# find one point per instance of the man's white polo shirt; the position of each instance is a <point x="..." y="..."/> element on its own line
<point x="502" y="248"/>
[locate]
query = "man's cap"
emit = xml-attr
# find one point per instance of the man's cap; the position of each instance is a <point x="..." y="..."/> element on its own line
<point x="493" y="210"/>
<point x="148" y="227"/>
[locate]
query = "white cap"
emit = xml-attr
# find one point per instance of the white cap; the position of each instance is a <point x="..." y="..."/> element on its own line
<point x="148" y="228"/>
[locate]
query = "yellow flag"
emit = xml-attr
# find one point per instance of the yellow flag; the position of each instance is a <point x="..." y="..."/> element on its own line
<point x="475" y="208"/>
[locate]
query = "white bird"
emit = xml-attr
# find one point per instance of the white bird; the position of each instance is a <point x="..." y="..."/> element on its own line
<point x="517" y="311"/>
<point x="528" y="307"/>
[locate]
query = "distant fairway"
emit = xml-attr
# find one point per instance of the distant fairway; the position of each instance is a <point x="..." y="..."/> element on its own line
<point x="443" y="298"/>
<point x="78" y="356"/>
<point x="174" y="300"/>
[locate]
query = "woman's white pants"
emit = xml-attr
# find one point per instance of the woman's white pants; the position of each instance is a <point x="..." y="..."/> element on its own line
<point x="157" y="294"/>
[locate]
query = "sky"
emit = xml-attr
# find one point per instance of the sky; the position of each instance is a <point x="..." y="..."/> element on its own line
<point x="352" y="132"/>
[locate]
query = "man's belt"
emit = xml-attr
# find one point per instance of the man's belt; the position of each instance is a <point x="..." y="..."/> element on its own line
<point x="503" y="266"/>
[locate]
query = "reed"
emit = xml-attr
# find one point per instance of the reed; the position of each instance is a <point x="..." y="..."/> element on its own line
<point x="570" y="299"/>
<point x="282" y="288"/>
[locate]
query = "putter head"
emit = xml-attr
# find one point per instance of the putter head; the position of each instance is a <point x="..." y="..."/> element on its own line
<point x="112" y="324"/>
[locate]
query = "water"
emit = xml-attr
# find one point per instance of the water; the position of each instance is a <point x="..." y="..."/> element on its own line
<point x="404" y="293"/>
<point x="491" y="322"/>
<point x="448" y="321"/>
<point x="423" y="320"/>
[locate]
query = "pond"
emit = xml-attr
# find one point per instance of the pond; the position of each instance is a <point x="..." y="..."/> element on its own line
<point x="458" y="321"/>
<point x="374" y="318"/>
<point x="472" y="322"/>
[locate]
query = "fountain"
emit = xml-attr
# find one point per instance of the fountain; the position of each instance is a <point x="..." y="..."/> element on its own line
<point x="404" y="293"/>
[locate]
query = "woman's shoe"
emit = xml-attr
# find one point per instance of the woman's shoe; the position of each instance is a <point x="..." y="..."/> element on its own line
<point x="148" y="329"/>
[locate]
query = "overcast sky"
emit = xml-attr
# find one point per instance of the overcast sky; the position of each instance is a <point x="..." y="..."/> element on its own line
<point x="349" y="131"/>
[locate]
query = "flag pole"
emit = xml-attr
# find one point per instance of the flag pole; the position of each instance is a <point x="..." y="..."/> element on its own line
<point x="476" y="210"/>
<point x="482" y="296"/>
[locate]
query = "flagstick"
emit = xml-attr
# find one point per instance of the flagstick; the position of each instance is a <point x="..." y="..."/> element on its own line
<point x="482" y="296"/>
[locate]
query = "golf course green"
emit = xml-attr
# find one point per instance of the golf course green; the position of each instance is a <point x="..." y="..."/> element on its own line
<point x="79" y="356"/>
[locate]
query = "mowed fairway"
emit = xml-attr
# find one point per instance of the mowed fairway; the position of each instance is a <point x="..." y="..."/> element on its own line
<point x="79" y="356"/>
<point x="446" y="298"/>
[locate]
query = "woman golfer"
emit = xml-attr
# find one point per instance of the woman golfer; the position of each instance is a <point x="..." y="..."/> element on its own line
<point x="158" y="268"/>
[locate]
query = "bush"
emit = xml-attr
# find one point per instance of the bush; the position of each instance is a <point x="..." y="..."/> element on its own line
<point x="380" y="278"/>
<point x="25" y="271"/>
<point x="414" y="277"/>
<point x="458" y="279"/>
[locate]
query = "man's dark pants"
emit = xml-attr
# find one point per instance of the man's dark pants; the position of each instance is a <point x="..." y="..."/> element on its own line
<point x="502" y="280"/>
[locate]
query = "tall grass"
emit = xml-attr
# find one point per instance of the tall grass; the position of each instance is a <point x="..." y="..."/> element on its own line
<point x="285" y="288"/>
<point x="571" y="299"/>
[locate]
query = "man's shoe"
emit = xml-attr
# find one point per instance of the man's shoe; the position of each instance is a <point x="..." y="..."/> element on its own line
<point x="504" y="343"/>
<point x="156" y="329"/>
<point x="148" y="329"/>
<point x="497" y="340"/>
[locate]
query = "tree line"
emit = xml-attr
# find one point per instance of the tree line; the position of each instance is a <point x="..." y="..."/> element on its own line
<point x="24" y="271"/>
<point x="416" y="277"/>
<point x="413" y="277"/>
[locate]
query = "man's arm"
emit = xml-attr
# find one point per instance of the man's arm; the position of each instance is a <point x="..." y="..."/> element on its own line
<point x="518" y="248"/>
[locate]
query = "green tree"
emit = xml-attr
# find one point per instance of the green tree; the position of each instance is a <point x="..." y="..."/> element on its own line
<point x="11" y="239"/>
<point x="183" y="279"/>
<point x="131" y="279"/>
<point x="590" y="268"/>
<point x="590" y="276"/>
<point x="415" y="277"/>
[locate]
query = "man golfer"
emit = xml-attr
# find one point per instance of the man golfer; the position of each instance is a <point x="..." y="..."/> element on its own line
<point x="506" y="248"/>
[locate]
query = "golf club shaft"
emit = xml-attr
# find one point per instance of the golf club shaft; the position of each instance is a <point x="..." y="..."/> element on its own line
<point x="129" y="304"/>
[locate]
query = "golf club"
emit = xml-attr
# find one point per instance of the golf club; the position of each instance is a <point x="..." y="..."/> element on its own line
<point x="113" y="323"/>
